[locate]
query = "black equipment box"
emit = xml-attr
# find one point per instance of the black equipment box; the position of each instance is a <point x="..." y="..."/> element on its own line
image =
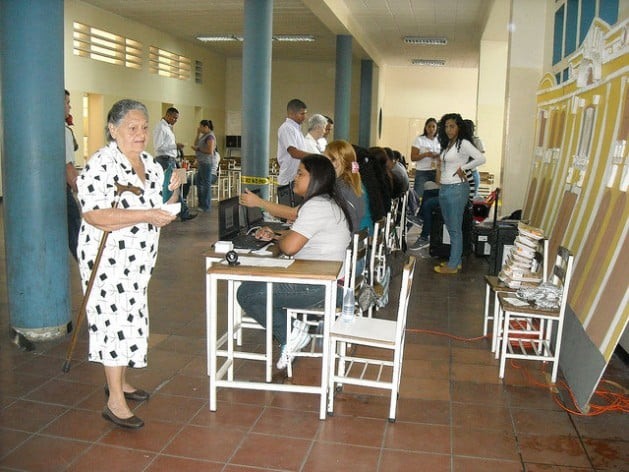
<point x="481" y="239"/>
<point x="440" y="239"/>
<point x="500" y="241"/>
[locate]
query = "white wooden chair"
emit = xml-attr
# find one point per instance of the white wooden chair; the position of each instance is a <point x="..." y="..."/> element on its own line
<point x="496" y="286"/>
<point x="395" y="231"/>
<point x="354" y="276"/>
<point x="377" y="258"/>
<point x="370" y="369"/>
<point x="535" y="333"/>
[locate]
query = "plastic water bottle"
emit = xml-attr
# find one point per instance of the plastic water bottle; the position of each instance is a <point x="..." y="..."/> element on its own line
<point x="347" y="315"/>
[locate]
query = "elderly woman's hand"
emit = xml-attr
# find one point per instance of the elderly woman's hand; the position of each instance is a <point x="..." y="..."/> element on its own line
<point x="159" y="218"/>
<point x="175" y="181"/>
<point x="250" y="199"/>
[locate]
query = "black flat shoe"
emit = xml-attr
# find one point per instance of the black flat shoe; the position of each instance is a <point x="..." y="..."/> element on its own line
<point x="132" y="423"/>
<point x="189" y="216"/>
<point x="137" y="395"/>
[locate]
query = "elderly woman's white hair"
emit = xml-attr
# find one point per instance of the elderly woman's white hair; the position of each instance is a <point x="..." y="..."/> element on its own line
<point x="317" y="121"/>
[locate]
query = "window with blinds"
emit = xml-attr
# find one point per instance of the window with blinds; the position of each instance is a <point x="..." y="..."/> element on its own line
<point x="169" y="64"/>
<point x="104" y="46"/>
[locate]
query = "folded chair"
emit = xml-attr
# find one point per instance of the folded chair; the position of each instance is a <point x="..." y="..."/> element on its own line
<point x="378" y="349"/>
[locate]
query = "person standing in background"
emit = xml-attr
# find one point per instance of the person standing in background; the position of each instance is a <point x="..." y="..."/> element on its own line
<point x="167" y="151"/>
<point x="290" y="142"/>
<point x="322" y="142"/>
<point x="316" y="129"/>
<point x="74" y="214"/>
<point x="207" y="164"/>
<point x="424" y="152"/>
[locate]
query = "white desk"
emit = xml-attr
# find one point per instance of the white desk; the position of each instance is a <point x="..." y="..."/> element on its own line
<point x="323" y="273"/>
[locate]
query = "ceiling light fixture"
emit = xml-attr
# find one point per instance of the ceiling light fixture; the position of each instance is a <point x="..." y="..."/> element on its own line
<point x="219" y="38"/>
<point x="288" y="38"/>
<point x="426" y="41"/>
<point x="429" y="62"/>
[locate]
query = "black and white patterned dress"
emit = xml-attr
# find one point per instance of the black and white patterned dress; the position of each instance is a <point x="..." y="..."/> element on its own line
<point x="117" y="309"/>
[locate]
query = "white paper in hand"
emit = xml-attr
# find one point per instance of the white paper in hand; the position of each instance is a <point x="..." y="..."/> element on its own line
<point x="172" y="208"/>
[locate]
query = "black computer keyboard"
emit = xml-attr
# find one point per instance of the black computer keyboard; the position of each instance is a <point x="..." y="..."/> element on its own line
<point x="248" y="241"/>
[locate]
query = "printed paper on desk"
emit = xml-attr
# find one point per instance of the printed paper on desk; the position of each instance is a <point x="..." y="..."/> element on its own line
<point x="516" y="301"/>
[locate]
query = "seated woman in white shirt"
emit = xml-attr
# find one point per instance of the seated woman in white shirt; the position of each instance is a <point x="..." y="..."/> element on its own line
<point x="320" y="232"/>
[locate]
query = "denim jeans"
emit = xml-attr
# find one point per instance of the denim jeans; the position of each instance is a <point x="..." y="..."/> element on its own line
<point x="252" y="299"/>
<point x="429" y="202"/>
<point x="205" y="179"/>
<point x="421" y="177"/>
<point x="452" y="200"/>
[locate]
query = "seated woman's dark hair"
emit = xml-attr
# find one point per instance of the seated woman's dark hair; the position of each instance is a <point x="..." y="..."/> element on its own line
<point x="323" y="182"/>
<point x="373" y="181"/>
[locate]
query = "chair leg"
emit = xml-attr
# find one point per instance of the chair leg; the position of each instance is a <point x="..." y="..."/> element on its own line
<point x="505" y="343"/>
<point x="486" y="314"/>
<point x="498" y="328"/>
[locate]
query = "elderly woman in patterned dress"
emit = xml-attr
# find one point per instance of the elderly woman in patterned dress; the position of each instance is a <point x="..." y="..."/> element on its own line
<point x="117" y="309"/>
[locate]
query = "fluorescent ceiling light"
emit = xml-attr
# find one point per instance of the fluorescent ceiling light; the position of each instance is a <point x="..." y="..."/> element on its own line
<point x="290" y="38"/>
<point x="426" y="41"/>
<point x="219" y="38"/>
<point x="429" y="62"/>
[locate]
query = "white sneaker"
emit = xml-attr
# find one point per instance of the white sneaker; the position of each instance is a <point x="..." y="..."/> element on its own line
<point x="285" y="358"/>
<point x="299" y="337"/>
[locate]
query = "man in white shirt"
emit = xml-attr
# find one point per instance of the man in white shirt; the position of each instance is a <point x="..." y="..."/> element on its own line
<point x="290" y="142"/>
<point x="74" y="214"/>
<point x="167" y="150"/>
<point x="316" y="128"/>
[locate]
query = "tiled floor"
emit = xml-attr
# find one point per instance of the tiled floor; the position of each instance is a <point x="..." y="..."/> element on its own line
<point x="454" y="414"/>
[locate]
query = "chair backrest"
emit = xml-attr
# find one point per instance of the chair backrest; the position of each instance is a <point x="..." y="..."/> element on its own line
<point x="562" y="274"/>
<point x="405" y="294"/>
<point x="377" y="252"/>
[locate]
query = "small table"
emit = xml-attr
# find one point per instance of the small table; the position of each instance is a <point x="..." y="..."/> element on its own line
<point x="323" y="273"/>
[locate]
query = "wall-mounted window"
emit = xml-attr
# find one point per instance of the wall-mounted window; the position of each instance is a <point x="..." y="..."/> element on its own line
<point x="169" y="64"/>
<point x="198" y="72"/>
<point x="573" y="19"/>
<point x="107" y="47"/>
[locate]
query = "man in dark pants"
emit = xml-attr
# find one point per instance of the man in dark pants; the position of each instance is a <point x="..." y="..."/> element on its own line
<point x="74" y="214"/>
<point x="167" y="150"/>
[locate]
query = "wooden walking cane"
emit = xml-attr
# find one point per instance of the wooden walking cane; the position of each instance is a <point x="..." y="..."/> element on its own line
<point x="120" y="189"/>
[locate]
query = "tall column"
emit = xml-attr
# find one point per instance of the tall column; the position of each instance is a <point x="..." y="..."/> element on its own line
<point x="36" y="238"/>
<point x="256" y="91"/>
<point x="343" y="86"/>
<point x="364" y="118"/>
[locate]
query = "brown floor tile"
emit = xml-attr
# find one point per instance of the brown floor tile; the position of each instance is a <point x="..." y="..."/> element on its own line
<point x="418" y="437"/>
<point x="554" y="450"/>
<point x="10" y="439"/>
<point x="61" y="392"/>
<point x="341" y="458"/>
<point x="357" y="431"/>
<point x="612" y="425"/>
<point x="291" y="423"/>
<point x="152" y="437"/>
<point x="607" y="454"/>
<point x="29" y="416"/>
<point x="79" y="424"/>
<point x="487" y="374"/>
<point x="212" y="444"/>
<point x="169" y="408"/>
<point x="296" y="401"/>
<point x="477" y="416"/>
<point x="475" y="464"/>
<point x="556" y="423"/>
<point x="479" y="355"/>
<point x="402" y="460"/>
<point x="555" y="468"/>
<point x="275" y="452"/>
<point x="426" y="389"/>
<point x="472" y="392"/>
<point x="180" y="464"/>
<point x="423" y="411"/>
<point x="229" y="414"/>
<point x="85" y="372"/>
<point x="366" y="406"/>
<point x="17" y="384"/>
<point x="187" y="386"/>
<point x="104" y="458"/>
<point x="485" y="443"/>
<point x="425" y="368"/>
<point x="43" y="453"/>
<point x="252" y="397"/>
<point x="531" y="397"/>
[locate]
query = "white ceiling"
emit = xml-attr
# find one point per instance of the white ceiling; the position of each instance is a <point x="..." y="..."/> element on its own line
<point x="377" y="26"/>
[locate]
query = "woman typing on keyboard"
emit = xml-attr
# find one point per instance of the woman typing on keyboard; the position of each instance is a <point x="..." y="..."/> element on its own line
<point x="321" y="231"/>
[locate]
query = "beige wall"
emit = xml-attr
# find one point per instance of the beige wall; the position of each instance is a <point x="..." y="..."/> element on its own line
<point x="110" y="83"/>
<point x="413" y="94"/>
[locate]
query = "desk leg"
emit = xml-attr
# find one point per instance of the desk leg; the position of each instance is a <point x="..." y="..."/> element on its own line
<point x="269" y="331"/>
<point x="231" y="300"/>
<point x="212" y="314"/>
<point x="328" y="317"/>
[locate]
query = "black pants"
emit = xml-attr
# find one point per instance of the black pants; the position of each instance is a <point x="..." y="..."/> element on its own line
<point x="165" y="161"/>
<point x="74" y="221"/>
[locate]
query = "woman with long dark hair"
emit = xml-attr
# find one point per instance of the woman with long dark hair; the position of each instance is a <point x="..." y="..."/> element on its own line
<point x="457" y="156"/>
<point x="320" y="232"/>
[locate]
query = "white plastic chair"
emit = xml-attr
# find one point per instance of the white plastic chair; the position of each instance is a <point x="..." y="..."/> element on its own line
<point x="371" y="369"/>
<point x="533" y="333"/>
<point x="354" y="276"/>
<point x="377" y="258"/>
